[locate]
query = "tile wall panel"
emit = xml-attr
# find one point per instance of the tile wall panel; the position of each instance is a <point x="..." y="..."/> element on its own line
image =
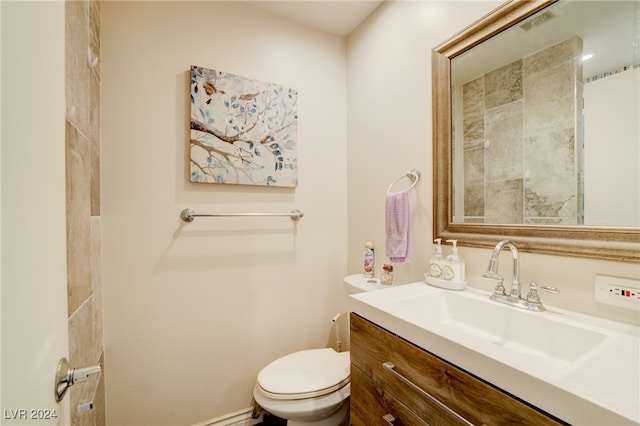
<point x="84" y="227"/>
<point x="506" y="180"/>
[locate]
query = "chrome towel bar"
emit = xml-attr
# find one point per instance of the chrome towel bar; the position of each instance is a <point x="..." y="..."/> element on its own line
<point x="188" y="215"/>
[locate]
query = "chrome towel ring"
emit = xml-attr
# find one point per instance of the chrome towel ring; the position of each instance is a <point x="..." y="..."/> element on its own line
<point x="414" y="175"/>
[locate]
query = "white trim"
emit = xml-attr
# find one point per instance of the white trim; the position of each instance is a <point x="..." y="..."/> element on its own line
<point x="237" y="418"/>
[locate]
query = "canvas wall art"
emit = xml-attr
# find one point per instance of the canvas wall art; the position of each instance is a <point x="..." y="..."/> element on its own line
<point x="243" y="131"/>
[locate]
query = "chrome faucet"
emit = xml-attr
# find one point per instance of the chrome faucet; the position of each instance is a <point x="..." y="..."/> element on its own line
<point x="514" y="298"/>
<point x="492" y="270"/>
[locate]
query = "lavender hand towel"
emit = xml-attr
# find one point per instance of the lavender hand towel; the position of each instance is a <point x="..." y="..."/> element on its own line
<point x="398" y="227"/>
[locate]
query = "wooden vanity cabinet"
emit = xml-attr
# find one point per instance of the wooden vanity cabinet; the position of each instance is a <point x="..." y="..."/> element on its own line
<point x="395" y="382"/>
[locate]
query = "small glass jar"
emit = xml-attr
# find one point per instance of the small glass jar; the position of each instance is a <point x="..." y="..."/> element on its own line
<point x="387" y="274"/>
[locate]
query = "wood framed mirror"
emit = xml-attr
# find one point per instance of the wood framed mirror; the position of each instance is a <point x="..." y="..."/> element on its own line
<point x="555" y="236"/>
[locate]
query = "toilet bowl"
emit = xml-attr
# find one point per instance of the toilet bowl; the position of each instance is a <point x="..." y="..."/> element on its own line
<point x="307" y="387"/>
<point x="311" y="387"/>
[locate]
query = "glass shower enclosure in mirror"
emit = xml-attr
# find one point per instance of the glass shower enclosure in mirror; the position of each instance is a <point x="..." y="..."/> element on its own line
<point x="545" y="120"/>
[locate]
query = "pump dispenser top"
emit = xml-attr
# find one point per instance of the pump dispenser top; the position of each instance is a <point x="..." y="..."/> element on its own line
<point x="454" y="264"/>
<point x="454" y="251"/>
<point x="438" y="251"/>
<point x="436" y="262"/>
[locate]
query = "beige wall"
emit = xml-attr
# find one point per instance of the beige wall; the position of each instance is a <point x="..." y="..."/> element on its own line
<point x="389" y="94"/>
<point x="194" y="311"/>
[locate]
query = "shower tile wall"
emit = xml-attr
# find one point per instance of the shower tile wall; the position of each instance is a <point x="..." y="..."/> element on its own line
<point x="505" y="179"/>
<point x="84" y="228"/>
<point x="473" y="132"/>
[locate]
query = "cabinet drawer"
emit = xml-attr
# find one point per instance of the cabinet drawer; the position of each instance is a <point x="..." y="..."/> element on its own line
<point x="370" y="403"/>
<point x="470" y="398"/>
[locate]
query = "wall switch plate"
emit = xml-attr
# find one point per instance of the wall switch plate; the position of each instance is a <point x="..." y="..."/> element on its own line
<point x="618" y="291"/>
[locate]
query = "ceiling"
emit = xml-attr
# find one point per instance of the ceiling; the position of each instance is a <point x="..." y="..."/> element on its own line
<point x="608" y="30"/>
<point x="341" y="17"/>
<point x="338" y="17"/>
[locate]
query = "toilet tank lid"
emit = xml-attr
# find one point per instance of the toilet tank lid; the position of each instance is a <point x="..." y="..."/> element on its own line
<point x="358" y="283"/>
<point x="305" y="372"/>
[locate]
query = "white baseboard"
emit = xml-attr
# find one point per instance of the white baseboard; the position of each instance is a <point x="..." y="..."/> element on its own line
<point x="238" y="418"/>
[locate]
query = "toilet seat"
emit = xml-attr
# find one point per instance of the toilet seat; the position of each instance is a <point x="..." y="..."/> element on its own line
<point x="305" y="374"/>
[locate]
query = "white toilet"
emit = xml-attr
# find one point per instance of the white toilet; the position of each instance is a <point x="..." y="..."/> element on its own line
<point x="307" y="387"/>
<point x="310" y="387"/>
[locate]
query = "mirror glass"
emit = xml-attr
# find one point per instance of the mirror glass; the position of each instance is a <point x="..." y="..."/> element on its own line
<point x="545" y="119"/>
<point x="535" y="141"/>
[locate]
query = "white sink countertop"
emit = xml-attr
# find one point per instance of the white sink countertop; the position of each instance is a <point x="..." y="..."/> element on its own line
<point x="582" y="369"/>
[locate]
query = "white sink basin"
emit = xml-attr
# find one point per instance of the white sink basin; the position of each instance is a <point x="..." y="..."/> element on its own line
<point x="517" y="330"/>
<point x="580" y="368"/>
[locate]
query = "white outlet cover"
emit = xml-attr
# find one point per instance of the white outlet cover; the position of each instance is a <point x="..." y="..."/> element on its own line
<point x="605" y="291"/>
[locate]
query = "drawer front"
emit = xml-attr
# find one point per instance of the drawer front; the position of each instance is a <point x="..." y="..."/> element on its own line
<point x="470" y="399"/>
<point x="371" y="405"/>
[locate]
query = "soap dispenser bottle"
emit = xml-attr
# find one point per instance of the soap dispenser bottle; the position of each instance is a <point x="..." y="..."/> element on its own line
<point x="454" y="265"/>
<point x="436" y="262"/>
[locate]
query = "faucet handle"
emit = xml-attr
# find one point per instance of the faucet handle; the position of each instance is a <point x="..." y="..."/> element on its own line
<point x="533" y="295"/>
<point x="499" y="288"/>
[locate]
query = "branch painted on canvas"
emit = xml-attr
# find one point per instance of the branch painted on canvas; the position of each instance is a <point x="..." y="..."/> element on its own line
<point x="243" y="131"/>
